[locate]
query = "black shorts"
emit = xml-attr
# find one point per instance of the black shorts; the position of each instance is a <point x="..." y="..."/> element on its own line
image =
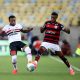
<point x="16" y="46"/>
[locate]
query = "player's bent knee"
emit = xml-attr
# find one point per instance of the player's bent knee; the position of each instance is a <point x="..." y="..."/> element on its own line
<point x="13" y="52"/>
<point x="42" y="49"/>
<point x="27" y="50"/>
<point x="23" y="49"/>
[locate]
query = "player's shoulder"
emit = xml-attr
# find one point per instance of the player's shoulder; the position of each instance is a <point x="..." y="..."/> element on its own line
<point x="48" y="22"/>
<point x="59" y="24"/>
<point x="6" y="26"/>
<point x="18" y="24"/>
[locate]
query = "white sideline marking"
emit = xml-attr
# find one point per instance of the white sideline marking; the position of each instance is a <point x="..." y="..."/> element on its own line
<point x="58" y="60"/>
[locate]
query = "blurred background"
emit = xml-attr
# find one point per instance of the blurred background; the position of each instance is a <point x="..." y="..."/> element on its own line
<point x="33" y="13"/>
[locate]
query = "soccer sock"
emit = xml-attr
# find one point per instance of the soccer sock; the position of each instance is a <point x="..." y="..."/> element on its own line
<point x="65" y="61"/>
<point x="39" y="53"/>
<point x="37" y="57"/>
<point x="14" y="61"/>
<point x="29" y="55"/>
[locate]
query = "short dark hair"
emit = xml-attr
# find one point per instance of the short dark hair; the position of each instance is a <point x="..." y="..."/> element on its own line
<point x="54" y="13"/>
<point x="11" y="16"/>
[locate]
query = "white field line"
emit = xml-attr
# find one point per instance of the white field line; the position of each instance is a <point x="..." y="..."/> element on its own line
<point x="58" y="60"/>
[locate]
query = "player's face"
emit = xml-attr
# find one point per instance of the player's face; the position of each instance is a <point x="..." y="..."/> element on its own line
<point x="12" y="21"/>
<point x="53" y="18"/>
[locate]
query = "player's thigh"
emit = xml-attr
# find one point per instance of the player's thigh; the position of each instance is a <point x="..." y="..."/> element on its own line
<point x="59" y="53"/>
<point x="21" y="46"/>
<point x="55" y="47"/>
<point x="13" y="48"/>
<point x="46" y="45"/>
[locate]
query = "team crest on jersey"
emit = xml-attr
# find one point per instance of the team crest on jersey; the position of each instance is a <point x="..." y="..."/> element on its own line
<point x="55" y="27"/>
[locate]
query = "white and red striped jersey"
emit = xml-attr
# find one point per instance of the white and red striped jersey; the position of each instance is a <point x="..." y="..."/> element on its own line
<point x="13" y="32"/>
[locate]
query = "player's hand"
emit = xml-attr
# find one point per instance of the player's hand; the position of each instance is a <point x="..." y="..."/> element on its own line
<point x="41" y="28"/>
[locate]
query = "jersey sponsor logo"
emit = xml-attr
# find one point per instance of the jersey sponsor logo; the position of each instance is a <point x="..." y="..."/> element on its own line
<point x="50" y="32"/>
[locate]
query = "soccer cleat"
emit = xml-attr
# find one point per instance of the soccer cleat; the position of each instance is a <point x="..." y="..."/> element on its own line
<point x="71" y="71"/>
<point x="35" y="63"/>
<point x="14" y="71"/>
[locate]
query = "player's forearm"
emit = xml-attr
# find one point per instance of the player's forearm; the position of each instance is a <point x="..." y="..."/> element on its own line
<point x="42" y="30"/>
<point x="1" y="29"/>
<point x="3" y="34"/>
<point x="67" y="30"/>
<point x="26" y="30"/>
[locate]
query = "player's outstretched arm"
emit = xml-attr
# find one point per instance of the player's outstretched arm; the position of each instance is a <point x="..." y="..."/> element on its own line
<point x="26" y="30"/>
<point x="1" y="28"/>
<point x="1" y="31"/>
<point x="42" y="29"/>
<point x="67" y="30"/>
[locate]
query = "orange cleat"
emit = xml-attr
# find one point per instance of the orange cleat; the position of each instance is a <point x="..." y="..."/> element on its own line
<point x="14" y="71"/>
<point x="71" y="71"/>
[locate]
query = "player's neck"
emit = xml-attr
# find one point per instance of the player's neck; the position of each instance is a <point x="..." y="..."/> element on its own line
<point x="12" y="24"/>
<point x="53" y="21"/>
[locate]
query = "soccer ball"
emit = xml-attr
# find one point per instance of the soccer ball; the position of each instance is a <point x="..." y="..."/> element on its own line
<point x="30" y="67"/>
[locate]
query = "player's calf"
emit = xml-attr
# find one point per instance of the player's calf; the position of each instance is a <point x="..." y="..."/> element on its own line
<point x="28" y="53"/>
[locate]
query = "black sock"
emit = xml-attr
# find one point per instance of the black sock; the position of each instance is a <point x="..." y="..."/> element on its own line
<point x="65" y="61"/>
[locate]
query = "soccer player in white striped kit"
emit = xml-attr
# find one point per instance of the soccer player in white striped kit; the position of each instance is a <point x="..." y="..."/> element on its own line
<point x="13" y="31"/>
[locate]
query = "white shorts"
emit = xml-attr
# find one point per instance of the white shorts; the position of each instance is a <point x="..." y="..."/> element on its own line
<point x="51" y="46"/>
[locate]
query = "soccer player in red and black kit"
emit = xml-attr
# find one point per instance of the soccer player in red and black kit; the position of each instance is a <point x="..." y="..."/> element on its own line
<point x="51" y="39"/>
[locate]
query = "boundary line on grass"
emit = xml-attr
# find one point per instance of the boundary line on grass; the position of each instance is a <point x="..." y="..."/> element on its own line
<point x="58" y="60"/>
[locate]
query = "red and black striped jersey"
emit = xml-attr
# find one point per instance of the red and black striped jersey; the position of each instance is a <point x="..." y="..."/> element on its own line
<point x="52" y="32"/>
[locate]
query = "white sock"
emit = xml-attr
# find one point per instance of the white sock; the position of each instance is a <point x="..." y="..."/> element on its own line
<point x="14" y="61"/>
<point x="70" y="67"/>
<point x="29" y="55"/>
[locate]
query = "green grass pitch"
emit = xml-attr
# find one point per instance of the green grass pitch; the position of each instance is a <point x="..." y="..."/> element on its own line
<point x="48" y="69"/>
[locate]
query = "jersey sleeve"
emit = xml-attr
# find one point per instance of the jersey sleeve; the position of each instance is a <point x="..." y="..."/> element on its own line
<point x="62" y="27"/>
<point x="44" y="26"/>
<point x="4" y="28"/>
<point x="42" y="29"/>
<point x="20" y="26"/>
